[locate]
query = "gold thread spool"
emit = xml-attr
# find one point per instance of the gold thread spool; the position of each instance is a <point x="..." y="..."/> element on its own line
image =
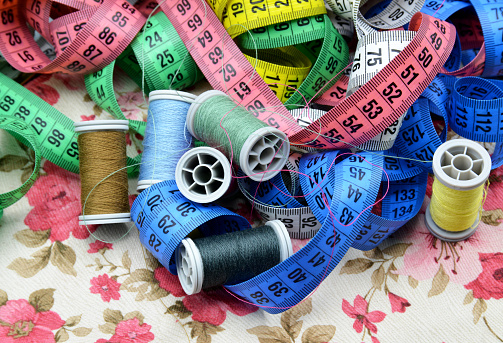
<point x="103" y="174"/>
<point x="461" y="169"/>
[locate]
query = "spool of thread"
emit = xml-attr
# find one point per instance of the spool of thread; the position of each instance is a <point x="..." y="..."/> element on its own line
<point x="166" y="136"/>
<point x="231" y="258"/>
<point x="257" y="147"/>
<point x="103" y="173"/>
<point x="203" y="174"/>
<point x="461" y="169"/>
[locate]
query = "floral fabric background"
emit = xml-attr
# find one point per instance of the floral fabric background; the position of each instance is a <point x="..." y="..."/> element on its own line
<point x="59" y="283"/>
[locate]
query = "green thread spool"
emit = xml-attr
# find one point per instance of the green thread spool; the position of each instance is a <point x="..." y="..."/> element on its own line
<point x="257" y="147"/>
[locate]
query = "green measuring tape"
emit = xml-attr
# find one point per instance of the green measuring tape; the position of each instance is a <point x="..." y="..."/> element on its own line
<point x="292" y="32"/>
<point x="331" y="59"/>
<point x="53" y="131"/>
<point x="28" y="136"/>
<point x="164" y="59"/>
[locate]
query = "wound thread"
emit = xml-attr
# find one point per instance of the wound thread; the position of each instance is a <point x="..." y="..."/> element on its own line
<point x="103" y="171"/>
<point x="461" y="169"/>
<point x="455" y="210"/>
<point x="166" y="136"/>
<point x="238" y="256"/>
<point x="256" y="147"/>
<point x="231" y="258"/>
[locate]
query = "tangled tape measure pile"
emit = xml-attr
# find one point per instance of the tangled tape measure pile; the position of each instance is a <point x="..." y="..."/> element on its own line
<point x="285" y="109"/>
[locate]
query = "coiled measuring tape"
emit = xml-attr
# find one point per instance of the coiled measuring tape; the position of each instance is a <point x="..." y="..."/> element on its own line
<point x="289" y="282"/>
<point x="53" y="130"/>
<point x="238" y="15"/>
<point x="407" y="188"/>
<point x="167" y="66"/>
<point x="476" y="112"/>
<point x="164" y="217"/>
<point x="91" y="38"/>
<point x="421" y="54"/>
<point x="418" y="138"/>
<point x="27" y="135"/>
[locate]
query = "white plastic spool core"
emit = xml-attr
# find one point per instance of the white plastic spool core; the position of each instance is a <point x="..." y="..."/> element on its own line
<point x="164" y="95"/>
<point x="203" y="174"/>
<point x="266" y="149"/>
<point x="95" y="126"/>
<point x="189" y="264"/>
<point x="463" y="165"/>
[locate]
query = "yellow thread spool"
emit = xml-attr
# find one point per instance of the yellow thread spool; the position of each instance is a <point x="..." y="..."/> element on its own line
<point x="99" y="176"/>
<point x="461" y="168"/>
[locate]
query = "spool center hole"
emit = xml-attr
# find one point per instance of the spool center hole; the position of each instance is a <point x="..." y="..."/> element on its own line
<point x="266" y="155"/>
<point x="202" y="174"/>
<point x="462" y="162"/>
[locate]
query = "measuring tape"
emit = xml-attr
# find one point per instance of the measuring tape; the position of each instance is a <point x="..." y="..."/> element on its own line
<point x="167" y="66"/>
<point x="390" y="92"/>
<point x="164" y="218"/>
<point x="340" y="121"/>
<point x="162" y="54"/>
<point x="301" y="274"/>
<point x="238" y="15"/>
<point x="470" y="37"/>
<point x="280" y="66"/>
<point x="273" y="200"/>
<point x="418" y="138"/>
<point x="407" y="188"/>
<point x="99" y="86"/>
<point x="335" y="94"/>
<point x="288" y="33"/>
<point x="91" y="38"/>
<point x="27" y="135"/>
<point x="491" y="20"/>
<point x="373" y="52"/>
<point x="476" y="112"/>
<point x="187" y="18"/>
<point x="487" y="62"/>
<point x="397" y="14"/>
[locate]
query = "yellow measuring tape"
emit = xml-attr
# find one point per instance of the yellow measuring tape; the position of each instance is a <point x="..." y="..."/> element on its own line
<point x="279" y="67"/>
<point x="240" y="15"/>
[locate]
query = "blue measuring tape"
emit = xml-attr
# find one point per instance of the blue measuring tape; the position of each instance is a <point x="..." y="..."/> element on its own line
<point x="403" y="201"/>
<point x="491" y="20"/>
<point x="407" y="182"/>
<point x="164" y="217"/>
<point x="418" y="138"/>
<point x="477" y="112"/>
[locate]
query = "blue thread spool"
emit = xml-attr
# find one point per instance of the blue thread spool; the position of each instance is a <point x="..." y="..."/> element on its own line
<point x="166" y="136"/>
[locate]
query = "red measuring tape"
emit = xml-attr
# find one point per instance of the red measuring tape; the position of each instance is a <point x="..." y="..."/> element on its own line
<point x="371" y="109"/>
<point x="85" y="41"/>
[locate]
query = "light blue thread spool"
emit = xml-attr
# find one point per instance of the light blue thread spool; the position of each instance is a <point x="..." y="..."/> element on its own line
<point x="166" y="136"/>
